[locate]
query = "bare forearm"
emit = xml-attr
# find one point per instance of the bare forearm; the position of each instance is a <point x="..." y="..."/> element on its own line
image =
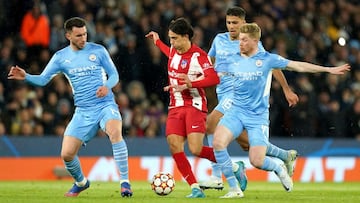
<point x="279" y="76"/>
<point x="306" y="67"/>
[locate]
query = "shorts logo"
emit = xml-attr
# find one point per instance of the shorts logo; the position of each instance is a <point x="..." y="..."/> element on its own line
<point x="194" y="126"/>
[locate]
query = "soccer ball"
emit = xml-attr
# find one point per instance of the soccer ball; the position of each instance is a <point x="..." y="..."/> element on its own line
<point x="163" y="183"/>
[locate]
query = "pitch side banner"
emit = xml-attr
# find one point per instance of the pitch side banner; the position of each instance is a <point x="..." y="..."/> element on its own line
<point x="142" y="168"/>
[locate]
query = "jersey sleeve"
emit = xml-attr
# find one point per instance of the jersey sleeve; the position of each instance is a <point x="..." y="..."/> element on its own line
<point x="210" y="76"/>
<point x="163" y="47"/>
<point x="51" y="69"/>
<point x="110" y="68"/>
<point x="278" y="61"/>
<point x="212" y="50"/>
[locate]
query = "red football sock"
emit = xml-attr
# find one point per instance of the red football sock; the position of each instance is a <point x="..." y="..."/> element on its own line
<point x="207" y="153"/>
<point x="184" y="167"/>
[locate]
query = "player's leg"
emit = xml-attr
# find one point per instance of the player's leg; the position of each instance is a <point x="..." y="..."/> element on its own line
<point x="176" y="145"/>
<point x="240" y="173"/>
<point x="112" y="125"/>
<point x="69" y="150"/>
<point x="259" y="160"/>
<point x="287" y="156"/>
<point x="222" y="138"/>
<point x="215" y="181"/>
<point x="243" y="140"/>
<point x="74" y="136"/>
<point x="258" y="132"/>
<point x="176" y="136"/>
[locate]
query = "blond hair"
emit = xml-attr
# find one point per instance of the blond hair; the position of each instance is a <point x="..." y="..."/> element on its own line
<point x="252" y="29"/>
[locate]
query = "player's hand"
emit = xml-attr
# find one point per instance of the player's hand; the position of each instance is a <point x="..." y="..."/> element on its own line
<point x="176" y="88"/>
<point x="16" y="73"/>
<point x="102" y="91"/>
<point x="153" y="35"/>
<point x="340" y="70"/>
<point x="291" y="97"/>
<point x="184" y="79"/>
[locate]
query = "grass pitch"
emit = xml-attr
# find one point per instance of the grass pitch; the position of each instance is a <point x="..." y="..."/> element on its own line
<point x="104" y="192"/>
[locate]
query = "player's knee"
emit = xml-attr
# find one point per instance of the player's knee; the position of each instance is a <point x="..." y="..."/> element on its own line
<point x="67" y="156"/>
<point x="219" y="144"/>
<point x="195" y="150"/>
<point x="115" y="135"/>
<point x="257" y="162"/>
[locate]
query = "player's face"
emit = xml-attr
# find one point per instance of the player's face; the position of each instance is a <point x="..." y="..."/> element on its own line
<point x="247" y="44"/>
<point x="233" y="24"/>
<point x="179" y="42"/>
<point x="77" y="37"/>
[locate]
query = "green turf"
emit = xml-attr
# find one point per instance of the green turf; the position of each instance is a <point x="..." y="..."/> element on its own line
<point x="103" y="192"/>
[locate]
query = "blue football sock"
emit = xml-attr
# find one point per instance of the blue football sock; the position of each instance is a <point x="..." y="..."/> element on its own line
<point x="74" y="169"/>
<point x="277" y="152"/>
<point x="270" y="165"/>
<point x="120" y="153"/>
<point x="215" y="168"/>
<point x="223" y="159"/>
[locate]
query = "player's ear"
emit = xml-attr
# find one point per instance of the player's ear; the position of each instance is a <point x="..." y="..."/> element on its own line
<point x="67" y="35"/>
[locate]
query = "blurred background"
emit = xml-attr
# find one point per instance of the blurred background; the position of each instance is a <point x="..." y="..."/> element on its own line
<point x="325" y="32"/>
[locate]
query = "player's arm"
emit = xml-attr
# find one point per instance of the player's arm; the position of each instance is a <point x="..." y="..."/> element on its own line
<point x="290" y="96"/>
<point x="312" y="68"/>
<point x="113" y="75"/>
<point x="156" y="39"/>
<point x="17" y="73"/>
<point x="210" y="79"/>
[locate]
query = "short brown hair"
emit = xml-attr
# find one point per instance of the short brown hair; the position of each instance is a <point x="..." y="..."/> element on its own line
<point x="74" y="22"/>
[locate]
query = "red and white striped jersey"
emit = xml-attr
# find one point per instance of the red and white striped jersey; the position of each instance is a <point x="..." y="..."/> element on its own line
<point x="197" y="65"/>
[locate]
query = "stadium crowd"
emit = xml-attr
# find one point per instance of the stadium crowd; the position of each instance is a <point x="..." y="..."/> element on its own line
<point x="317" y="31"/>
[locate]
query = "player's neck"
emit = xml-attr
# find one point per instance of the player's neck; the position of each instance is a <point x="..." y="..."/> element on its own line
<point x="250" y="53"/>
<point x="185" y="48"/>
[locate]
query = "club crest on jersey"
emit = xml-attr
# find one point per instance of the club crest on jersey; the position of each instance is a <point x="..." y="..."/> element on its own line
<point x="183" y="63"/>
<point x="92" y="57"/>
<point x="258" y="63"/>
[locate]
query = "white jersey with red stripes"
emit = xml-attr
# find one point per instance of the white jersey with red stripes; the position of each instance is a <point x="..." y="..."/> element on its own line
<point x="193" y="63"/>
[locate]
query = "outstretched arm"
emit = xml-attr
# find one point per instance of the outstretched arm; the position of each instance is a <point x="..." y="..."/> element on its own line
<point x="290" y="96"/>
<point x="312" y="68"/>
<point x="156" y="40"/>
<point x="16" y="73"/>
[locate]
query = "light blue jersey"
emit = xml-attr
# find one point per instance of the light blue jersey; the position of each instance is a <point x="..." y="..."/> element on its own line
<point x="224" y="49"/>
<point x="252" y="82"/>
<point x="86" y="71"/>
<point x="250" y="107"/>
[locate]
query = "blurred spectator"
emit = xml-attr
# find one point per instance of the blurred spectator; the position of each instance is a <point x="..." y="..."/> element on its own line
<point x="57" y="36"/>
<point x="2" y="99"/>
<point x="35" y="30"/>
<point x="136" y="92"/>
<point x="2" y="129"/>
<point x="353" y="120"/>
